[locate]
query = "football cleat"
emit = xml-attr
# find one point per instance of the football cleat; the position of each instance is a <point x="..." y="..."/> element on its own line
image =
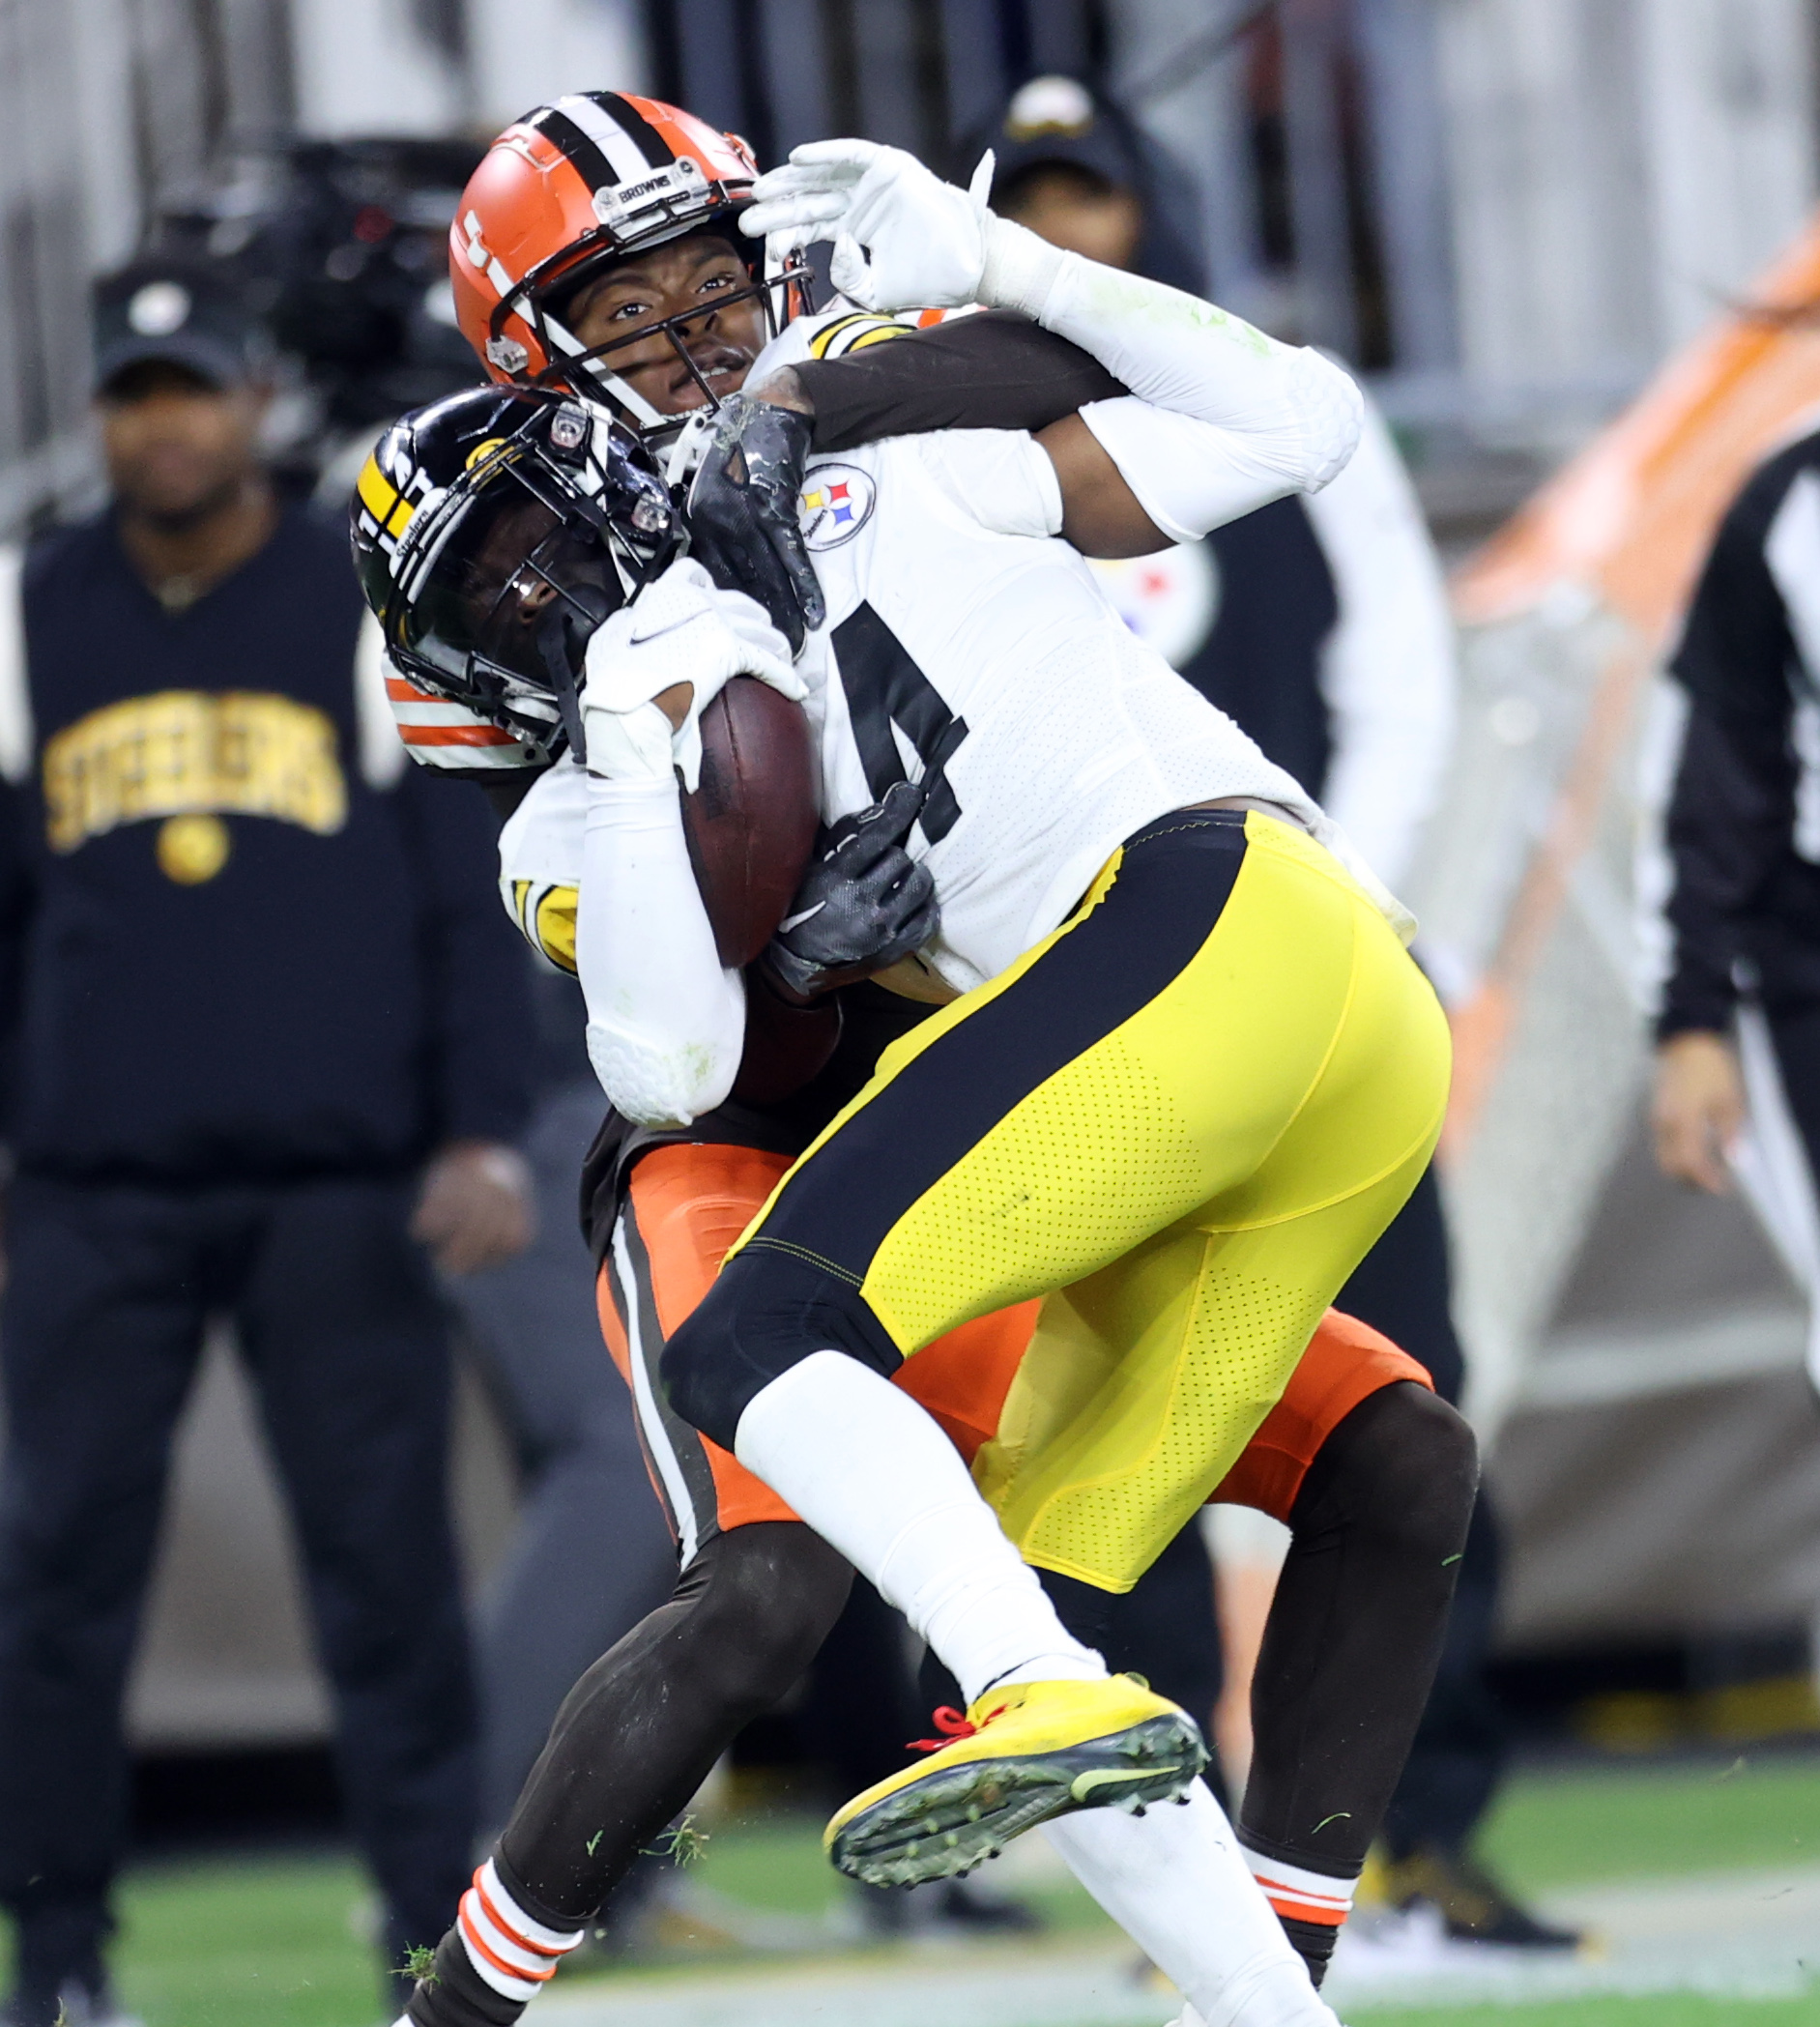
<point x="1025" y="1752"/>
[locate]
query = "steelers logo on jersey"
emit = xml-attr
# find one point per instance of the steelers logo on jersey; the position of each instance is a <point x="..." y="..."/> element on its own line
<point x="836" y="503"/>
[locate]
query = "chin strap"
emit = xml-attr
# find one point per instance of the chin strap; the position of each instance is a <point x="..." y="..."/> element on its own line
<point x="567" y="625"/>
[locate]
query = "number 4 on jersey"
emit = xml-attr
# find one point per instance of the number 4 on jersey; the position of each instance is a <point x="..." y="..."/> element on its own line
<point x="885" y="688"/>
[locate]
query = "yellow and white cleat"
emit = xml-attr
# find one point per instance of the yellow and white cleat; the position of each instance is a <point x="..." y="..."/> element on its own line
<point x="1024" y="1753"/>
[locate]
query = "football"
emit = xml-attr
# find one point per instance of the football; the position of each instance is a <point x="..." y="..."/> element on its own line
<point x="751" y="822"/>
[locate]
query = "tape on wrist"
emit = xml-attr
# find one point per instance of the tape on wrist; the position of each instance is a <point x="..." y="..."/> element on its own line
<point x="1019" y="270"/>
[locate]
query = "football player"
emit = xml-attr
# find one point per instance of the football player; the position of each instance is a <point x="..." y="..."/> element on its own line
<point x="506" y="497"/>
<point x="683" y="607"/>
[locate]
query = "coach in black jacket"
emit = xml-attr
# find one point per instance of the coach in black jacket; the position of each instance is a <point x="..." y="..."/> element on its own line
<point x="267" y="1036"/>
<point x="1743" y="822"/>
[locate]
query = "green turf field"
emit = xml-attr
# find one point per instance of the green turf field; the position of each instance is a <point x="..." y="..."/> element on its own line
<point x="276" y="1942"/>
<point x="1670" y="2010"/>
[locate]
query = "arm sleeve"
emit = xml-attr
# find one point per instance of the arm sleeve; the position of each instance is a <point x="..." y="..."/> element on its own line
<point x="666" y="1023"/>
<point x="483" y="1026"/>
<point x="540" y="862"/>
<point x="1732" y="807"/>
<point x="1388" y="673"/>
<point x="1189" y="476"/>
<point x="992" y="371"/>
<point x="1282" y="409"/>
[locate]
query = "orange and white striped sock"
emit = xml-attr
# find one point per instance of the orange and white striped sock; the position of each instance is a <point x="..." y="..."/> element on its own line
<point x="1301" y="1896"/>
<point x="1312" y="1907"/>
<point x="512" y="1952"/>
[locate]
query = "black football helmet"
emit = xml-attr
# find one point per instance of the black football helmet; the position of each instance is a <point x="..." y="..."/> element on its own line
<point x="493" y="532"/>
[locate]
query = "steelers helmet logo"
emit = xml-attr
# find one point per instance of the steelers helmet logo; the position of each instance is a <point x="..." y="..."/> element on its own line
<point x="836" y="503"/>
<point x="192" y="850"/>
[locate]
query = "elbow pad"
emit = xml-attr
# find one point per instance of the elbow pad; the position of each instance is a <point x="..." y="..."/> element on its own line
<point x="656" y="1087"/>
<point x="1189" y="476"/>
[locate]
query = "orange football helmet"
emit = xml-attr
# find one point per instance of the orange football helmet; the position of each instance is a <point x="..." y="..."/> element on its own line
<point x="589" y="179"/>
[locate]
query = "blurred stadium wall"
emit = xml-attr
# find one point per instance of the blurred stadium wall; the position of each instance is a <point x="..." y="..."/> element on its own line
<point x="1509" y="209"/>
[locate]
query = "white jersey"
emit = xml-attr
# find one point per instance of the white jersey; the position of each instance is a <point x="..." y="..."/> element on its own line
<point x="970" y="651"/>
<point x="967" y="648"/>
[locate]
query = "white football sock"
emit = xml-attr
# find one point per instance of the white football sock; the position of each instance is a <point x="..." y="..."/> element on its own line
<point x="1177" y="1882"/>
<point x="877" y="1479"/>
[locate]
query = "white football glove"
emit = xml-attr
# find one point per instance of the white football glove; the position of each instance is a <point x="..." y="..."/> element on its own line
<point x="682" y="628"/>
<point x="927" y="240"/>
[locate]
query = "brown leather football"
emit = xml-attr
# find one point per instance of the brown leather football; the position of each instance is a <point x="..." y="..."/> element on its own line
<point x="751" y="822"/>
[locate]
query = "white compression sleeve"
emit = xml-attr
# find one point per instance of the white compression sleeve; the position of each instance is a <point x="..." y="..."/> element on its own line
<point x="877" y="1479"/>
<point x="666" y="1023"/>
<point x="1177" y="1882"/>
<point x="1188" y="476"/>
<point x="1294" y="411"/>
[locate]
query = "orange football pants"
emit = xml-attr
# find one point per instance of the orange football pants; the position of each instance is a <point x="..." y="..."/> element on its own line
<point x="686" y="1204"/>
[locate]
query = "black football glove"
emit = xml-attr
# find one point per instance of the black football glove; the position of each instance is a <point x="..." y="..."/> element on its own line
<point x="743" y="512"/>
<point x="863" y="904"/>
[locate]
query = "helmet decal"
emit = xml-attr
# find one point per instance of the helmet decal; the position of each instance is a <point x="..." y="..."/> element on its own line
<point x="591" y="178"/>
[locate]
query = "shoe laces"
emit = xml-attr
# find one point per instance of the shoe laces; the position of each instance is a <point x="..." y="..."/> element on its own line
<point x="952" y="1725"/>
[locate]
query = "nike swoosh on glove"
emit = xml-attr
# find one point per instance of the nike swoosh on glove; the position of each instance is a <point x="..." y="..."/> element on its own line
<point x="903" y="238"/>
<point x="682" y="628"/>
<point x="863" y="904"/>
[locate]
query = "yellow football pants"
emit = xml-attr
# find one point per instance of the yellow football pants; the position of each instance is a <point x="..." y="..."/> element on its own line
<point x="1184" y="1117"/>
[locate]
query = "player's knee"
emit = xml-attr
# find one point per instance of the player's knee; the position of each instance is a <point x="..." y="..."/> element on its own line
<point x="771" y="1597"/>
<point x="766" y="1312"/>
<point x="1429" y="1470"/>
<point x="1406" y="1466"/>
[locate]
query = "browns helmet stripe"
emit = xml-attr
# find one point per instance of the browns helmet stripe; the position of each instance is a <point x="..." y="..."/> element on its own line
<point x="615" y="137"/>
<point x="587" y="158"/>
<point x="657" y="150"/>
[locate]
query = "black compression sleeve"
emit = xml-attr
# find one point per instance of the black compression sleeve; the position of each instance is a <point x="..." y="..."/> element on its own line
<point x="990" y="371"/>
<point x="1356" y="1629"/>
<point x="640" y="1730"/>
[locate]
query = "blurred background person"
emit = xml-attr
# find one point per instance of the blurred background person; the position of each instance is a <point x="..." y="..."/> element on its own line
<point x="1321" y="626"/>
<point x="588" y="1554"/>
<point x="1744" y="826"/>
<point x="268" y="1037"/>
<point x="346" y="244"/>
